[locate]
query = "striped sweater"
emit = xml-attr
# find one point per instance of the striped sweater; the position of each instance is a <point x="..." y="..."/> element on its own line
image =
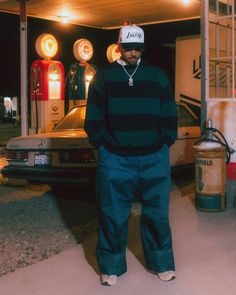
<point x="131" y="120"/>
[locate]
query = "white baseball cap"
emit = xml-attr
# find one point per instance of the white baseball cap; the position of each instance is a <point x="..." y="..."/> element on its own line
<point x="131" y="37"/>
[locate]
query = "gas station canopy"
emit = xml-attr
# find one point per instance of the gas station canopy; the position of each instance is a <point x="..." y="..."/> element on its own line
<point x="107" y="14"/>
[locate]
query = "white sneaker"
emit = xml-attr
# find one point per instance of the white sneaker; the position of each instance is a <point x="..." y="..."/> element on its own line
<point x="166" y="275"/>
<point x="108" y="280"/>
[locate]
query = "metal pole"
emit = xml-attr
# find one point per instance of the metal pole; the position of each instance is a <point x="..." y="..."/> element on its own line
<point x="233" y="49"/>
<point x="23" y="68"/>
<point x="204" y="61"/>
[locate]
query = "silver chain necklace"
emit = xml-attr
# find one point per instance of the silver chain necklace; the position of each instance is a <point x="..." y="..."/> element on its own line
<point x="131" y="81"/>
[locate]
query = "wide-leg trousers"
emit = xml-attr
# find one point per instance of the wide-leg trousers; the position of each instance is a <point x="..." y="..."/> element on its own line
<point x="119" y="179"/>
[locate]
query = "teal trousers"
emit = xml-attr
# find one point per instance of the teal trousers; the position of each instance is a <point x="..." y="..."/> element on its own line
<point x="119" y="179"/>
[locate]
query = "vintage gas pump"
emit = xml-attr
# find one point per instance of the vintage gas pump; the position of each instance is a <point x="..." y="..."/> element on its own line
<point x="212" y="153"/>
<point x="80" y="74"/>
<point x="47" y="86"/>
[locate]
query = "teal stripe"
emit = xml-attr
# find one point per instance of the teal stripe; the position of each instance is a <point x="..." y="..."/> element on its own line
<point x="93" y="112"/>
<point x="169" y="108"/>
<point x="127" y="105"/>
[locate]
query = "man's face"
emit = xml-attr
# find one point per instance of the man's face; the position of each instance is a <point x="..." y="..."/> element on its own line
<point x="130" y="56"/>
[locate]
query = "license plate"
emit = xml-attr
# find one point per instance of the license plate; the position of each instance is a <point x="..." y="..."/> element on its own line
<point x="42" y="160"/>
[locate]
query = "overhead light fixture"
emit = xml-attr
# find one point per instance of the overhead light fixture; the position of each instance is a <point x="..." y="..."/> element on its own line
<point x="63" y="19"/>
<point x="64" y="16"/>
<point x="186" y="2"/>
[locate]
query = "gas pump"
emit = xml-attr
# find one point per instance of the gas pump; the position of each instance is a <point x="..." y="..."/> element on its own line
<point x="47" y="86"/>
<point x="80" y="74"/>
<point x="113" y="52"/>
<point x="212" y="153"/>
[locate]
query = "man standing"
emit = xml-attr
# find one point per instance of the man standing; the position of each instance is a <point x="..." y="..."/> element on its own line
<point x="131" y="119"/>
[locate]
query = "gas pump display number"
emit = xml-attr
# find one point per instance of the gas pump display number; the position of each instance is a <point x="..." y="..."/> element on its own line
<point x="46" y="46"/>
<point x="83" y="50"/>
<point x="42" y="160"/>
<point x="113" y="52"/>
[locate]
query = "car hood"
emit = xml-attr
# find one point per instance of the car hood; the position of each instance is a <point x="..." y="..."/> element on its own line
<point x="53" y="140"/>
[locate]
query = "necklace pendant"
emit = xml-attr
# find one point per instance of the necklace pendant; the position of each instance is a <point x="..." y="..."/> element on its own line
<point x="131" y="81"/>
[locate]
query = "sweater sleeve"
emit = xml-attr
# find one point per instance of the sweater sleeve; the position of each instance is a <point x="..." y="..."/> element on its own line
<point x="94" y="121"/>
<point x="169" y="121"/>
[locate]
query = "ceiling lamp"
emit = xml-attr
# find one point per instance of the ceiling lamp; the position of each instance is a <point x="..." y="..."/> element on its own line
<point x="63" y="19"/>
<point x="186" y="2"/>
<point x="64" y="15"/>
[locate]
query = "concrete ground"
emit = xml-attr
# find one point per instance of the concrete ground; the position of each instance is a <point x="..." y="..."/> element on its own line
<point x="205" y="254"/>
<point x="204" y="248"/>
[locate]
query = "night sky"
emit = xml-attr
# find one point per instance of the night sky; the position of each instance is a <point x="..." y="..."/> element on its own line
<point x="156" y="36"/>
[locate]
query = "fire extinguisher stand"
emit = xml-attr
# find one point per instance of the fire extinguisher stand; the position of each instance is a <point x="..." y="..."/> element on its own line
<point x="211" y="156"/>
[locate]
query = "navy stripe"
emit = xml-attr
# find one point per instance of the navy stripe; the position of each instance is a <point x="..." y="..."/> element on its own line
<point x="95" y="125"/>
<point x="169" y="122"/>
<point x="134" y="122"/>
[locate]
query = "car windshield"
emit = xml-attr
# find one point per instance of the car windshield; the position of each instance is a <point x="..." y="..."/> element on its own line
<point x="73" y="120"/>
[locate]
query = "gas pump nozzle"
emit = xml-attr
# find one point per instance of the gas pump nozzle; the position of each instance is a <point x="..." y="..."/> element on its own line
<point x="208" y="133"/>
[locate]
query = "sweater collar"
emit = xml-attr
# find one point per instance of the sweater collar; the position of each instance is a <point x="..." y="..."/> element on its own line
<point x="122" y="62"/>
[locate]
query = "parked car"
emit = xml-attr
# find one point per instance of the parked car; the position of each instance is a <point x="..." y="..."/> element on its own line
<point x="64" y="155"/>
<point x="181" y="153"/>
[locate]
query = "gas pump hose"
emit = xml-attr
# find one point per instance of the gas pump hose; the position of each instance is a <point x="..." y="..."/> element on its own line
<point x="211" y="134"/>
